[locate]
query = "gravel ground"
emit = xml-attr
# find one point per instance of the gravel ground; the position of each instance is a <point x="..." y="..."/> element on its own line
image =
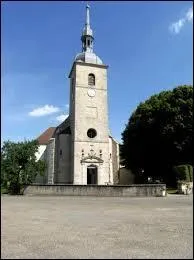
<point x="40" y="227"/>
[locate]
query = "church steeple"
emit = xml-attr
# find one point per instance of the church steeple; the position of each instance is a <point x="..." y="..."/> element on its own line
<point x="87" y="55"/>
<point x="87" y="34"/>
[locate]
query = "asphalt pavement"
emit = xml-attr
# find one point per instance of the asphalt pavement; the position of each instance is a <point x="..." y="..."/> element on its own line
<point x="40" y="227"/>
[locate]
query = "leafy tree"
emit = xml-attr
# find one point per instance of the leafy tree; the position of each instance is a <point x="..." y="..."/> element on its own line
<point x="184" y="172"/>
<point x="19" y="166"/>
<point x="159" y="134"/>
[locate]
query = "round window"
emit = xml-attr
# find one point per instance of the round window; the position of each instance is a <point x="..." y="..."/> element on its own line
<point x="91" y="133"/>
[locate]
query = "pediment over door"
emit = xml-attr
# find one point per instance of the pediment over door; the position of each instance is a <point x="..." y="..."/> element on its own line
<point x="91" y="159"/>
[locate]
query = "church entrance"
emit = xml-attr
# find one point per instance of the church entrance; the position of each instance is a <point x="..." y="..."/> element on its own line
<point x="92" y="174"/>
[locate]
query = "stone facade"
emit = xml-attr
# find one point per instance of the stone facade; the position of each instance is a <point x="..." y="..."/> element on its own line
<point x="63" y="159"/>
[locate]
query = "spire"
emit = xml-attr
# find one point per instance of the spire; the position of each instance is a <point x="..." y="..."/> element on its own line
<point x="87" y="15"/>
<point x="87" y="34"/>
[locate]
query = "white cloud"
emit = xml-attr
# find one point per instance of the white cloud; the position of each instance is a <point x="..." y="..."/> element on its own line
<point x="43" y="111"/>
<point x="61" y="118"/>
<point x="178" y="25"/>
<point x="67" y="106"/>
<point x="189" y="14"/>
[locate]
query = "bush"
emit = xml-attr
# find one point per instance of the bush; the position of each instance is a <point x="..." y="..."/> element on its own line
<point x="3" y="190"/>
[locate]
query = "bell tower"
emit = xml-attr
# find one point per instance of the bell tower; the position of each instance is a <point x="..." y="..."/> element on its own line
<point x="89" y="115"/>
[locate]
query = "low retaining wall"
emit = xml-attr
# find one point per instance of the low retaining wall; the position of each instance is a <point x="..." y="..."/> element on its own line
<point x="135" y="190"/>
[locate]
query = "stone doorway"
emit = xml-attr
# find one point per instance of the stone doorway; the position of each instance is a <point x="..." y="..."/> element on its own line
<point x="92" y="174"/>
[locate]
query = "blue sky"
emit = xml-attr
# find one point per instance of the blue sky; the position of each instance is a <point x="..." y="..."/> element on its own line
<point x="147" y="45"/>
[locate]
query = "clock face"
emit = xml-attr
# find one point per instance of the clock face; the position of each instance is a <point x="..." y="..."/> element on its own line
<point x="91" y="92"/>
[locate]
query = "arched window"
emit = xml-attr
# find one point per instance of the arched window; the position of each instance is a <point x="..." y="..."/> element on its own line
<point x="91" y="79"/>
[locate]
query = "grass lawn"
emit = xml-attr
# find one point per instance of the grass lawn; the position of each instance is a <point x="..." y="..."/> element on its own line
<point x="171" y="190"/>
<point x="3" y="190"/>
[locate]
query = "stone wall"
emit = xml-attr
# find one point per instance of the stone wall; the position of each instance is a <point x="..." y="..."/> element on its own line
<point x="115" y="161"/>
<point x="63" y="157"/>
<point x="40" y="153"/>
<point x="136" y="190"/>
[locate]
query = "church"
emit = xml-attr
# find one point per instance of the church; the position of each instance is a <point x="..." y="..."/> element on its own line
<point x="80" y="151"/>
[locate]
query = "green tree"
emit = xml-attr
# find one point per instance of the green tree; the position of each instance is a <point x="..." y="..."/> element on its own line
<point x="159" y="134"/>
<point x="19" y="166"/>
<point x="184" y="172"/>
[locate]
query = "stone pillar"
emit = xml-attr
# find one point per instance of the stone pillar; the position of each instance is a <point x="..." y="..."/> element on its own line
<point x="84" y="174"/>
<point x="110" y="176"/>
<point x="51" y="160"/>
<point x="99" y="174"/>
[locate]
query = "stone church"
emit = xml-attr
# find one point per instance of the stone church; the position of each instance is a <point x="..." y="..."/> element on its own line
<point x="80" y="150"/>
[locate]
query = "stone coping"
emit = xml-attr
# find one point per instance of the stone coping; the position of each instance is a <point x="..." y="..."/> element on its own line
<point x="105" y="185"/>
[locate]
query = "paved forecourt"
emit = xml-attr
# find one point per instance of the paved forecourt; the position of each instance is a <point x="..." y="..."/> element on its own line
<point x="40" y="227"/>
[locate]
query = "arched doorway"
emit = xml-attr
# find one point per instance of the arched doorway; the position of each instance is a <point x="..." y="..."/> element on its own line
<point x="92" y="174"/>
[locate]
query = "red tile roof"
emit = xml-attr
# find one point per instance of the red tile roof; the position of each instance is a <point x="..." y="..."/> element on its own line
<point x="45" y="137"/>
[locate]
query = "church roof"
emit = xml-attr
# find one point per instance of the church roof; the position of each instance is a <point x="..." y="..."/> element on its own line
<point x="88" y="57"/>
<point x="44" y="138"/>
